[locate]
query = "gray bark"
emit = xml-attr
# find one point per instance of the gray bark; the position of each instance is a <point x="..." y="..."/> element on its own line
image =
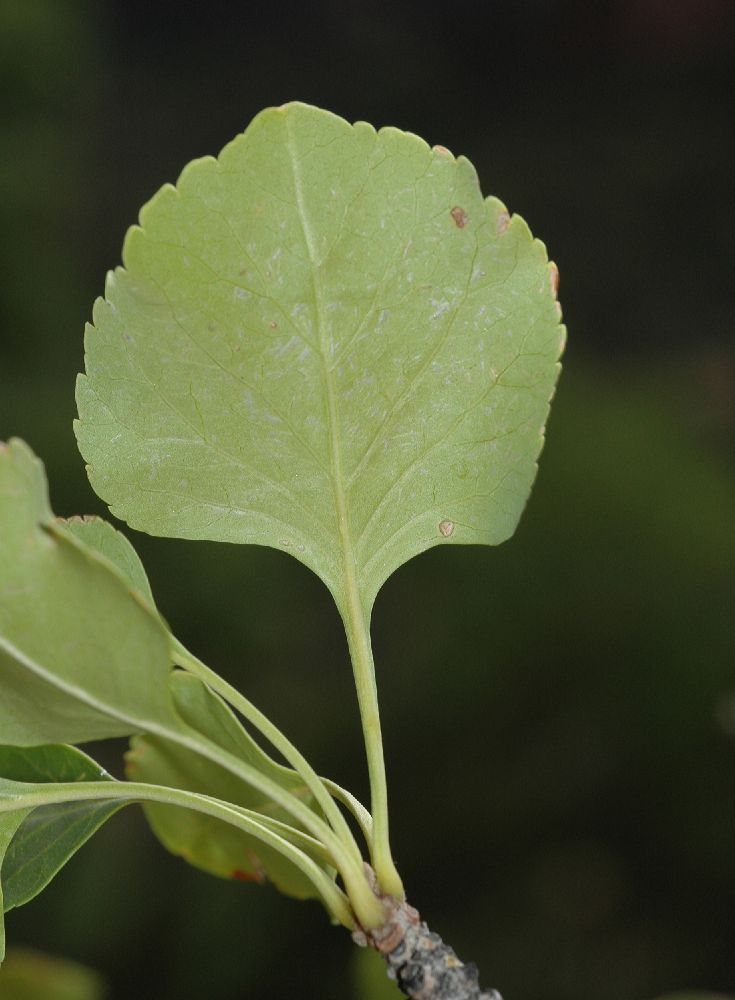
<point x="423" y="966"/>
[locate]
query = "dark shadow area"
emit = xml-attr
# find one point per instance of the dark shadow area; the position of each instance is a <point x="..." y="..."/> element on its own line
<point x="560" y="711"/>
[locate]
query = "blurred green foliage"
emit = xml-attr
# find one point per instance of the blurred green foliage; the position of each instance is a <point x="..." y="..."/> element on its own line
<point x="370" y="979"/>
<point x="30" y="975"/>
<point x="557" y="712"/>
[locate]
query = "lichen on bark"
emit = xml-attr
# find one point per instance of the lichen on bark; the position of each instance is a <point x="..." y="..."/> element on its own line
<point x="424" y="967"/>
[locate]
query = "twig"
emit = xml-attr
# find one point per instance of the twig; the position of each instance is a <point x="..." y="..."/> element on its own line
<point x="423" y="966"/>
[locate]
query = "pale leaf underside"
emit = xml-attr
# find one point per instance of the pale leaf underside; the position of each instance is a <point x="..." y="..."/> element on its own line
<point x="325" y="341"/>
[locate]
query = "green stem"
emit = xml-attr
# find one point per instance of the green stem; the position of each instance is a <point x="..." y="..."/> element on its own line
<point x="183" y="658"/>
<point x="367" y="907"/>
<point x="358" y="810"/>
<point x="333" y="898"/>
<point x="306" y="843"/>
<point x="358" y="639"/>
<point x="352" y="609"/>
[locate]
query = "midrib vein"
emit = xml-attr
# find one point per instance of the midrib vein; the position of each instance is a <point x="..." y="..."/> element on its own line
<point x="347" y="593"/>
<point x="351" y="589"/>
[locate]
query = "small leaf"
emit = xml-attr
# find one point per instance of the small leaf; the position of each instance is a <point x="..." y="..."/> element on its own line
<point x="35" y="843"/>
<point x="325" y="341"/>
<point x="82" y="655"/>
<point x="207" y="843"/>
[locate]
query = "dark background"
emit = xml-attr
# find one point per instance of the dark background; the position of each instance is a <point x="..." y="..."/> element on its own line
<point x="559" y="712"/>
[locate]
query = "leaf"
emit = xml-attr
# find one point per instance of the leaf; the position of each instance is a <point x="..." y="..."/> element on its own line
<point x="102" y="538"/>
<point x="35" y="843"/>
<point x="212" y="845"/>
<point x="205" y="842"/>
<point x="82" y="656"/>
<point x="9" y="823"/>
<point x="32" y="852"/>
<point x="30" y="975"/>
<point x="325" y="341"/>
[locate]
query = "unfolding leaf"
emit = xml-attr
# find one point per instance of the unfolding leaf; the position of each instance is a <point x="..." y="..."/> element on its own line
<point x="35" y="843"/>
<point x="82" y="656"/>
<point x="205" y="842"/>
<point x="325" y="341"/>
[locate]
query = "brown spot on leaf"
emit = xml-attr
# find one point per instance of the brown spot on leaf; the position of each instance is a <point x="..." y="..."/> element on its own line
<point x="502" y="223"/>
<point x="442" y="151"/>
<point x="446" y="528"/>
<point x="240" y="876"/>
<point x="273" y="325"/>
<point x="554" y="278"/>
<point x="460" y="217"/>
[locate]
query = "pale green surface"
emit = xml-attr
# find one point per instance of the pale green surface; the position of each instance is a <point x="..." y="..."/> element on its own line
<point x="30" y="975"/>
<point x="205" y="842"/>
<point x="111" y="544"/>
<point x="81" y="656"/>
<point x="326" y="341"/>
<point x="107" y="541"/>
<point x="214" y="846"/>
<point x="48" y="836"/>
<point x="305" y="350"/>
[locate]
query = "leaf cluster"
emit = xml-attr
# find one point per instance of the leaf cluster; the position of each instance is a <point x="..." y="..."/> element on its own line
<point x="327" y="341"/>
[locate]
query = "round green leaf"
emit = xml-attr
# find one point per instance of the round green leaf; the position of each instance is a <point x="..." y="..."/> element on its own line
<point x="325" y="341"/>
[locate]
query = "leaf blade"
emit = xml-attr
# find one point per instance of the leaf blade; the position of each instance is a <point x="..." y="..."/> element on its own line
<point x="49" y="835"/>
<point x="325" y="341"/>
<point x="36" y="842"/>
<point x="82" y="655"/>
<point x="208" y="843"/>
